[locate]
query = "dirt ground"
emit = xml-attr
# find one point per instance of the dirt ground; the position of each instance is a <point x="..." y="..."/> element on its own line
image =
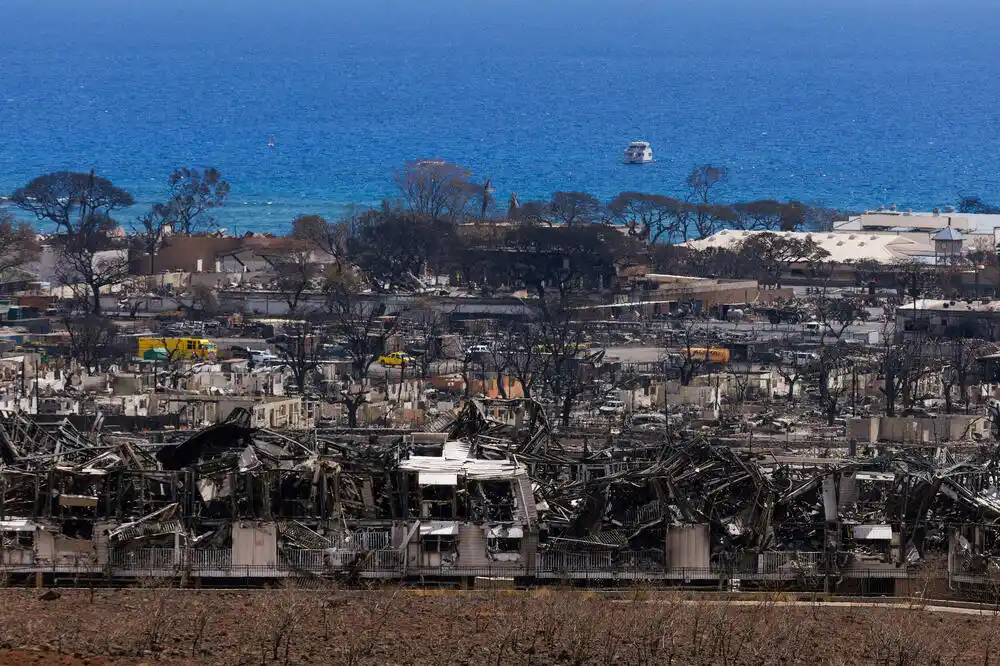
<point x="298" y="625"/>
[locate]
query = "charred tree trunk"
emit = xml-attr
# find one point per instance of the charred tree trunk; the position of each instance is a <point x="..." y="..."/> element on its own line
<point x="96" y="291"/>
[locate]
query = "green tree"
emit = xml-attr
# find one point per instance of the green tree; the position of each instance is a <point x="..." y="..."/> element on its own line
<point x="69" y="199"/>
<point x="572" y="208"/>
<point x="774" y="254"/>
<point x="193" y="195"/>
<point x="650" y="216"/>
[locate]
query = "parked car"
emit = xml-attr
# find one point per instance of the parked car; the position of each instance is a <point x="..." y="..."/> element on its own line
<point x="649" y="421"/>
<point x="334" y="351"/>
<point x="612" y="407"/>
<point x="262" y="356"/>
<point x="477" y="349"/>
<point x="395" y="359"/>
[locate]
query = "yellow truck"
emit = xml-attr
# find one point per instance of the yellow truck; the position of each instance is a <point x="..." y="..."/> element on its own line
<point x="175" y="349"/>
<point x="718" y="355"/>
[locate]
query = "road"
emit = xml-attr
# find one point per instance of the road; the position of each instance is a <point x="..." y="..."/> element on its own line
<point x="893" y="603"/>
<point x="763" y="332"/>
<point x="626" y="354"/>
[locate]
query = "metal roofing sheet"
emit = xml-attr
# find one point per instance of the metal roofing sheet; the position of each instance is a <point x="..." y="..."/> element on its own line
<point x="437" y="479"/>
<point x="875" y="476"/>
<point x="17" y="525"/>
<point x="873" y="532"/>
<point x="473" y="468"/>
<point x="438" y="529"/>
<point x="455" y="450"/>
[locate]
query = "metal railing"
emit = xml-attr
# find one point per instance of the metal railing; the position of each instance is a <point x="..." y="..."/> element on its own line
<point x="573" y="561"/>
<point x="789" y="562"/>
<point x="386" y="559"/>
<point x="392" y="560"/>
<point x="145" y="558"/>
<point x="310" y="560"/>
<point x="809" y="570"/>
<point x="217" y="559"/>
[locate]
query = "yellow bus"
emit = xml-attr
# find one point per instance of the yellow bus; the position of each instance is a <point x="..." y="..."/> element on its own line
<point x="179" y="348"/>
<point x="713" y="354"/>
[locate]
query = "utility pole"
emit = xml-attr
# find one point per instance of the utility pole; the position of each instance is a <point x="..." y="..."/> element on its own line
<point x="666" y="404"/>
<point x="36" y="386"/>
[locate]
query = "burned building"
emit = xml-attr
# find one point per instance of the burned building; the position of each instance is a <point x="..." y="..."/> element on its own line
<point x="492" y="493"/>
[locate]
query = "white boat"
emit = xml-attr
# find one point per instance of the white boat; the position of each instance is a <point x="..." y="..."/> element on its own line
<point x="638" y="152"/>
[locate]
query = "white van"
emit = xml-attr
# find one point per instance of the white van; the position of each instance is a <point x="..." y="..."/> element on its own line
<point x="262" y="356"/>
<point x="805" y="358"/>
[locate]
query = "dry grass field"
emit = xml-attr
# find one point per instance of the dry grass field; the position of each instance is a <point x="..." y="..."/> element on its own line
<point x="302" y="625"/>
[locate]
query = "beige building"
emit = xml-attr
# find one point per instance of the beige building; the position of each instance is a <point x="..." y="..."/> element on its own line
<point x="659" y="294"/>
<point x="978" y="231"/>
<point x="843" y="247"/>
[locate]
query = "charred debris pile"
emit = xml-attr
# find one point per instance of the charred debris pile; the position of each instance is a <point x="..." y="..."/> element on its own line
<point x="498" y="467"/>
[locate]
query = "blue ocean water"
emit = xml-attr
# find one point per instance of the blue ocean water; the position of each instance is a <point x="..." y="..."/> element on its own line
<point x="849" y="103"/>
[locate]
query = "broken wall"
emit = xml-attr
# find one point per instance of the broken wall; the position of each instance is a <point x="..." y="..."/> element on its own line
<point x="255" y="544"/>
<point x="952" y="427"/>
<point x="687" y="547"/>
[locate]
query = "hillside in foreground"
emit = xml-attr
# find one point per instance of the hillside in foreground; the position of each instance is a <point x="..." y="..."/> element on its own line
<point x="300" y="626"/>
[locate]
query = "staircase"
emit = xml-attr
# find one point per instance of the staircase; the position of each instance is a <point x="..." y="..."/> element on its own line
<point x="440" y="424"/>
<point x="368" y="498"/>
<point x="527" y="513"/>
<point x="304" y="537"/>
<point x="472" y="547"/>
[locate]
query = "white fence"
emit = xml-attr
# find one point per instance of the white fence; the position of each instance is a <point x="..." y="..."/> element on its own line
<point x="363" y="540"/>
<point x="393" y="562"/>
<point x="217" y="559"/>
<point x="571" y="561"/>
<point x="789" y="562"/>
<point x="317" y="560"/>
<point x="145" y="558"/>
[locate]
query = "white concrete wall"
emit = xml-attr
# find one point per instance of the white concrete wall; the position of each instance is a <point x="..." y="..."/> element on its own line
<point x="953" y="427"/>
<point x="687" y="547"/>
<point x="255" y="544"/>
<point x="52" y="548"/>
<point x="472" y="546"/>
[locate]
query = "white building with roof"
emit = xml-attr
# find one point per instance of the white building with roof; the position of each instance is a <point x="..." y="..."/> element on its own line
<point x="978" y="230"/>
<point x="477" y="512"/>
<point x="931" y="317"/>
<point x="908" y="220"/>
<point x="843" y="248"/>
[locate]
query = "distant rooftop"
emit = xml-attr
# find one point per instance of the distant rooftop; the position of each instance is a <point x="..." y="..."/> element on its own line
<point x="984" y="305"/>
<point x="843" y="247"/>
<point x="948" y="234"/>
<point x="895" y="220"/>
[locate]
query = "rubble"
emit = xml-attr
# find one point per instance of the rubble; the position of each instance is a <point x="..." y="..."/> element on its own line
<point x="496" y="490"/>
